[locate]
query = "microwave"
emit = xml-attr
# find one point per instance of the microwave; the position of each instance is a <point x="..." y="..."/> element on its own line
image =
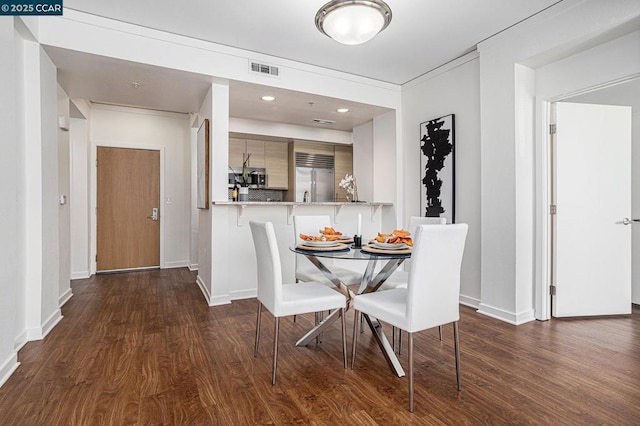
<point x="257" y="177"/>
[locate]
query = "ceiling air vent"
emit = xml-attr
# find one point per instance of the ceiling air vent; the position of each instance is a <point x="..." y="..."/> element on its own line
<point x="264" y="69"/>
<point x="323" y="121"/>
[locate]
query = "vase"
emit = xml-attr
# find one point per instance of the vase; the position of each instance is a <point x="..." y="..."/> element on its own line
<point x="243" y="193"/>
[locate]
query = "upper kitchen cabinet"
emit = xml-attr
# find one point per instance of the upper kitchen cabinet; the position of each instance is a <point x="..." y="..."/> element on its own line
<point x="343" y="166"/>
<point x="276" y="159"/>
<point x="239" y="149"/>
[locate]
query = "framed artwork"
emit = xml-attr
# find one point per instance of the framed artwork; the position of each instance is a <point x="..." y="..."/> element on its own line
<point x="203" y="165"/>
<point x="437" y="168"/>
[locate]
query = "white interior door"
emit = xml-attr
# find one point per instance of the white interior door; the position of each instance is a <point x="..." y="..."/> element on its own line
<point x="592" y="262"/>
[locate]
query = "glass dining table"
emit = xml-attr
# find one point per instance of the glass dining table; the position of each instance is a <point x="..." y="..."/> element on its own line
<point x="372" y="279"/>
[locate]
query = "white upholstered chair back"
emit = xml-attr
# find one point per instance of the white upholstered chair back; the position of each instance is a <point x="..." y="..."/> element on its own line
<point x="434" y="276"/>
<point x="268" y="264"/>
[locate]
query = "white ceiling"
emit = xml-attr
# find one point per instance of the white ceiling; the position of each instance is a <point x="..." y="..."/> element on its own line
<point x="423" y="35"/>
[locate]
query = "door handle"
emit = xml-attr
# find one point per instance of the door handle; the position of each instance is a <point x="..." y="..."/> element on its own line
<point x="154" y="214"/>
<point x="627" y="221"/>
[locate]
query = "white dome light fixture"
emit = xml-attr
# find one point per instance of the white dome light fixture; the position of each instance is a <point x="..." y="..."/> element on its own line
<point x="353" y="21"/>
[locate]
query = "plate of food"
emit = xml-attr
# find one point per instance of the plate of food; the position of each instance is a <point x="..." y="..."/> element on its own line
<point x="389" y="246"/>
<point x="320" y="243"/>
<point x="398" y="239"/>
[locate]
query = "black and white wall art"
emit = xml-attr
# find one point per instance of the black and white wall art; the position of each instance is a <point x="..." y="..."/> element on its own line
<point x="437" y="168"/>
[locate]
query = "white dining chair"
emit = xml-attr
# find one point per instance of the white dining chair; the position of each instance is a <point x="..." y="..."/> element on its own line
<point x="287" y="299"/>
<point x="305" y="270"/>
<point x="432" y="294"/>
<point x="400" y="277"/>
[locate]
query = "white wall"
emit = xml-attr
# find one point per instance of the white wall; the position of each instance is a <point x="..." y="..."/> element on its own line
<point x="64" y="210"/>
<point x="40" y="173"/>
<point x="613" y="61"/>
<point x="205" y="215"/>
<point x="12" y="209"/>
<point x="80" y="230"/>
<point x="364" y="160"/>
<point x="256" y="127"/>
<point x="513" y="232"/>
<point x="454" y="89"/>
<point x="49" y="310"/>
<point x="384" y="160"/>
<point x="170" y="133"/>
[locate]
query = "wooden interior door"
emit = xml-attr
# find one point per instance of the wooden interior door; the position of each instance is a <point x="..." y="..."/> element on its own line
<point x="128" y="231"/>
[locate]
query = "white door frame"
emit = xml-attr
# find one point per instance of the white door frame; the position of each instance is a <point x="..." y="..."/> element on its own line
<point x="543" y="119"/>
<point x="94" y="193"/>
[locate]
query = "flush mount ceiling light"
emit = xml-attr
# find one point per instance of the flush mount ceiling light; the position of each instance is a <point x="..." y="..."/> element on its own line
<point x="353" y="21"/>
<point x="343" y="110"/>
<point x="268" y="98"/>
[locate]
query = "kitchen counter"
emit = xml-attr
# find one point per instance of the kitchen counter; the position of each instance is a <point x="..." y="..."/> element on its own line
<point x="293" y="203"/>
<point x="233" y="259"/>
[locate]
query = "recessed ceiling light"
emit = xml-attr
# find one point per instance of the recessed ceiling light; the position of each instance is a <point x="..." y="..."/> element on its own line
<point x="343" y="110"/>
<point x="268" y="98"/>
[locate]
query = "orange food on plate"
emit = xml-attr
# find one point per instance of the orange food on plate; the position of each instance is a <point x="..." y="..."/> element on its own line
<point x="399" y="236"/>
<point x="332" y="237"/>
<point x="408" y="241"/>
<point x="401" y="233"/>
<point x="330" y="231"/>
<point x="306" y="237"/>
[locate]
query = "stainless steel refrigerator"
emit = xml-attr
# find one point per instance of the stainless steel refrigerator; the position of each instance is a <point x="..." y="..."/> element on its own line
<point x="314" y="177"/>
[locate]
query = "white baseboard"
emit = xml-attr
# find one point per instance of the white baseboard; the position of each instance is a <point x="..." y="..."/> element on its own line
<point x="220" y="300"/>
<point x="20" y="341"/>
<point x="64" y="298"/>
<point x="193" y="266"/>
<point x="509" y="317"/>
<point x="243" y="294"/>
<point x="204" y="289"/>
<point x="80" y="275"/>
<point x="179" y="264"/>
<point x="469" y="301"/>
<point x="8" y="367"/>
<point x="51" y="322"/>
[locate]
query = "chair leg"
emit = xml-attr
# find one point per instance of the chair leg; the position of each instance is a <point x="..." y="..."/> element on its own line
<point x="255" y="350"/>
<point x="294" y="317"/>
<point x="393" y="338"/>
<point x="456" y="343"/>
<point x="440" y="332"/>
<point x="399" y="341"/>
<point x="356" y="320"/>
<point x="344" y="337"/>
<point x="275" y="350"/>
<point x="410" y="372"/>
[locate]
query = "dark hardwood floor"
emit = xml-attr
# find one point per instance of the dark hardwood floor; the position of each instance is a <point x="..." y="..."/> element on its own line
<point x="143" y="348"/>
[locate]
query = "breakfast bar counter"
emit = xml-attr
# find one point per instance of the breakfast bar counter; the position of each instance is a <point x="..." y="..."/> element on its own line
<point x="233" y="262"/>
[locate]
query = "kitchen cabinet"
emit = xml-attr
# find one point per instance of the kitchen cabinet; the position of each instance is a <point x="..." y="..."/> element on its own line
<point x="276" y="160"/>
<point x="240" y="148"/>
<point x="343" y="165"/>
